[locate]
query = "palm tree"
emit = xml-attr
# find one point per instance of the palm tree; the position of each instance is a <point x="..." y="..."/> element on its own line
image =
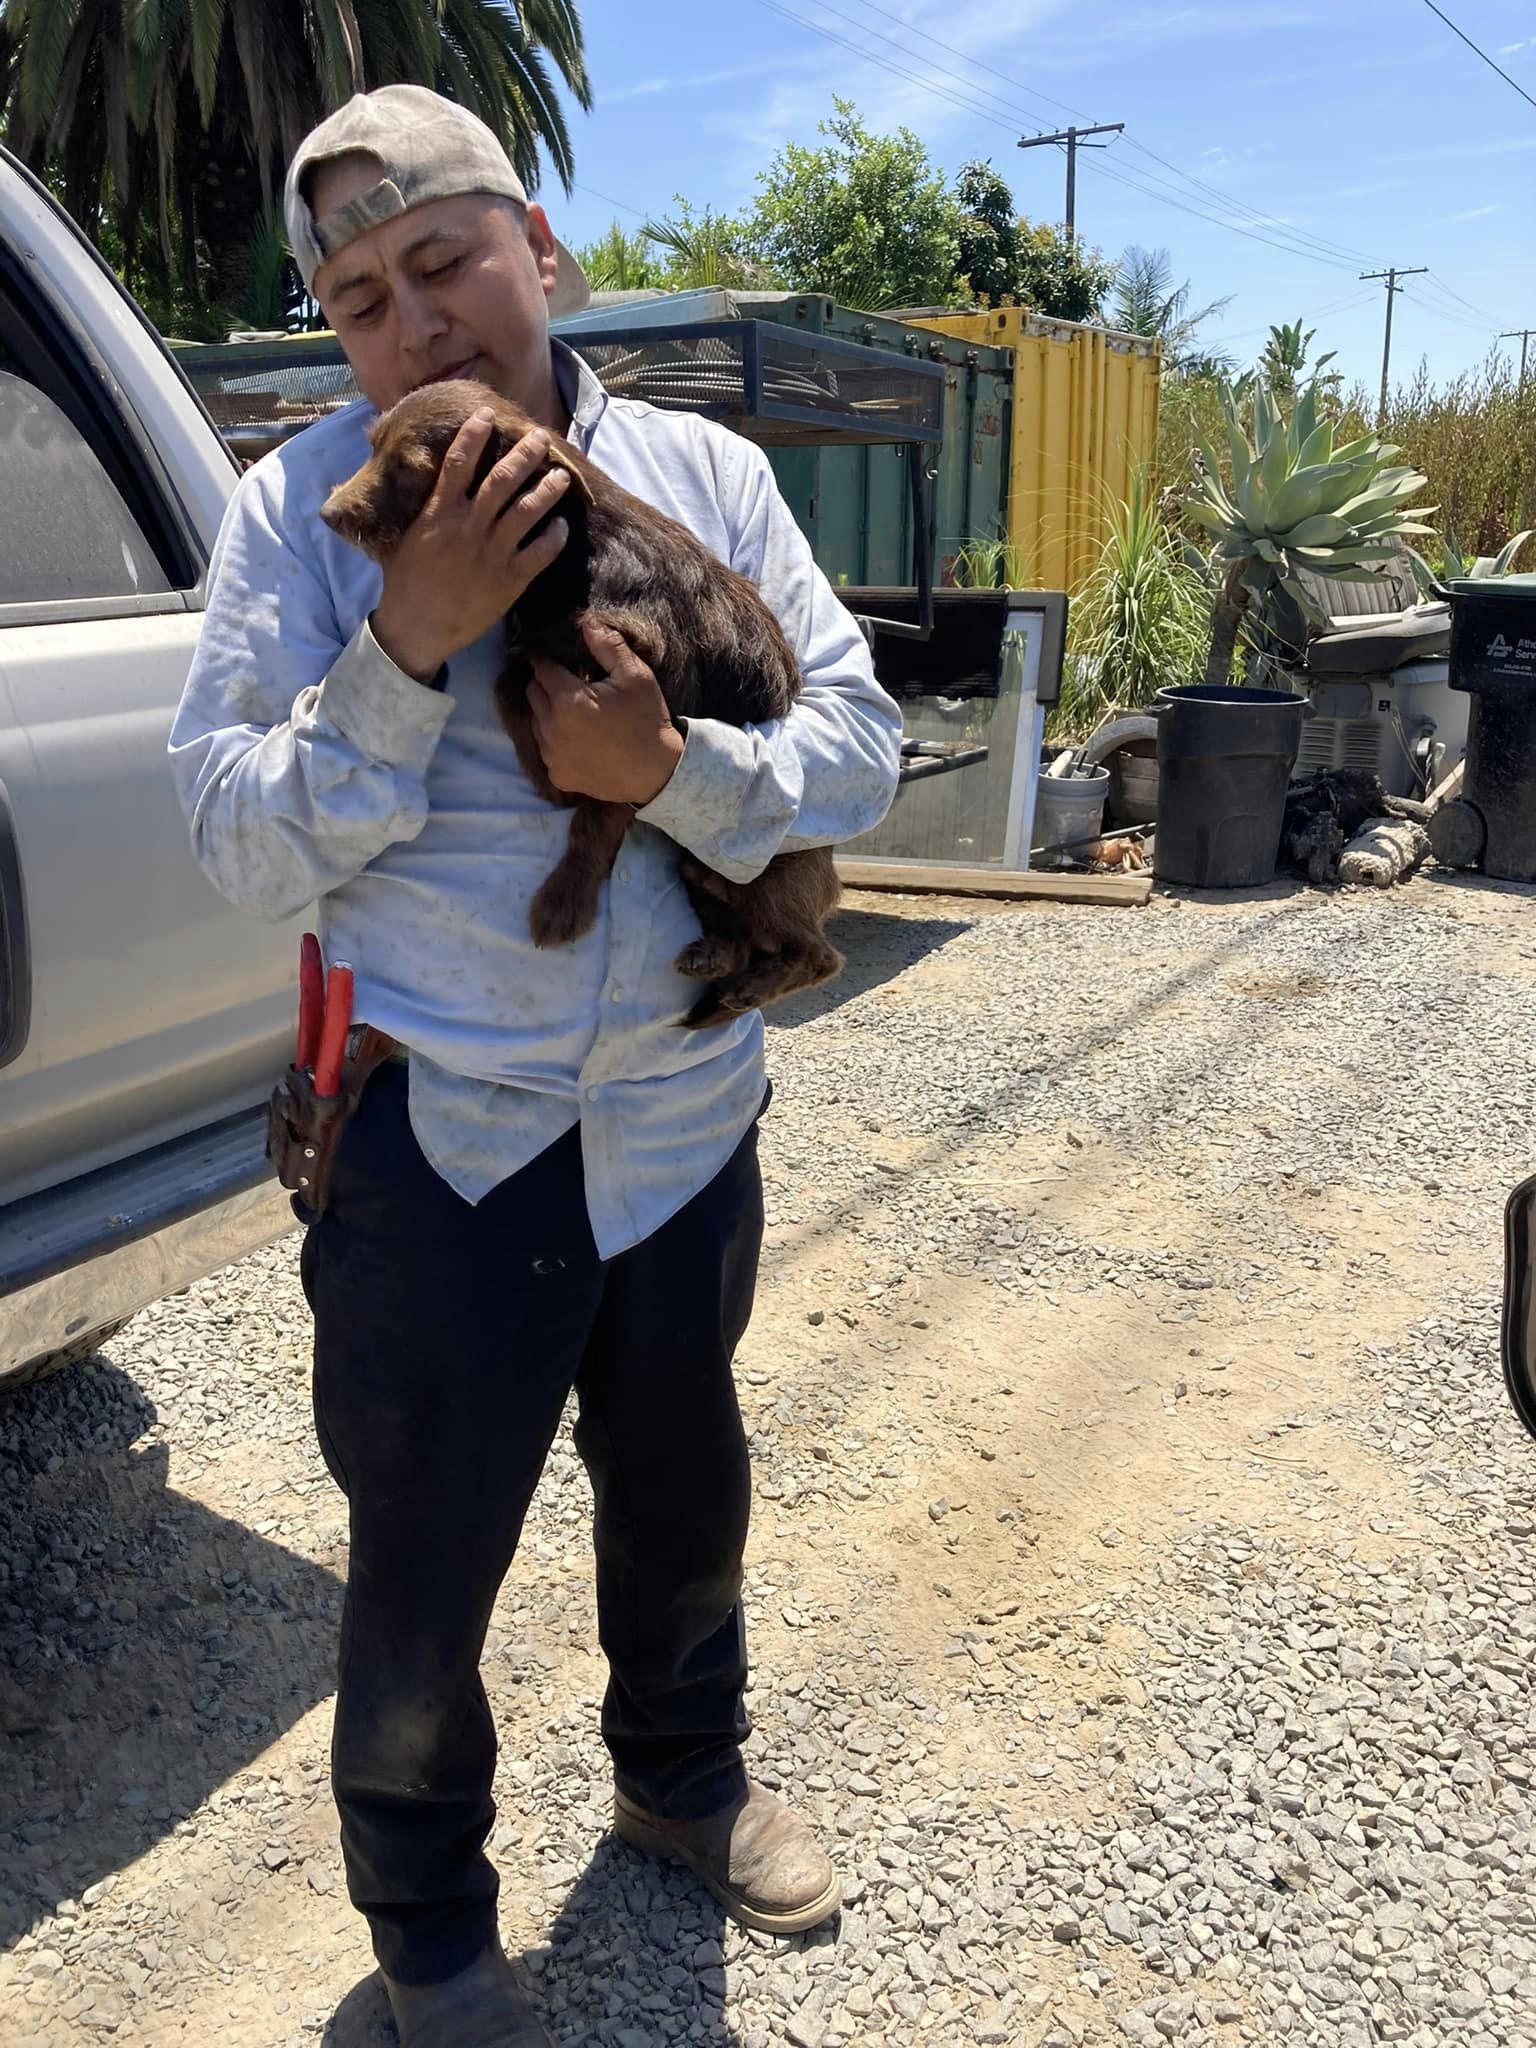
<point x="698" y="250"/>
<point x="621" y="263"/>
<point x="170" y="122"/>
<point x="1147" y="301"/>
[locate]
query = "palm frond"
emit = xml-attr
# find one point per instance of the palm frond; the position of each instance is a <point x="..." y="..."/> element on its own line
<point x="45" y="27"/>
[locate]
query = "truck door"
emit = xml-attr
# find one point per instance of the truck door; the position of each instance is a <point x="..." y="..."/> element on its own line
<point x="135" y="1004"/>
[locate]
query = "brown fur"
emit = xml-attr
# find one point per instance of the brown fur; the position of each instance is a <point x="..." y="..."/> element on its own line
<point x="716" y="650"/>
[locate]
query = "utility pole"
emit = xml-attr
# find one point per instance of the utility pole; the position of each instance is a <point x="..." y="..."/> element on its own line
<point x="1075" y="139"/>
<point x="1523" y="336"/>
<point x="1389" y="277"/>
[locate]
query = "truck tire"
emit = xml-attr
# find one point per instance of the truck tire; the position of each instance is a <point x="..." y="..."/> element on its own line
<point x="75" y="1353"/>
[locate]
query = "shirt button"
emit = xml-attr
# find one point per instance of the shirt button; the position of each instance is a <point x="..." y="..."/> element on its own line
<point x="621" y="874"/>
<point x="591" y="1095"/>
<point x="617" y="996"/>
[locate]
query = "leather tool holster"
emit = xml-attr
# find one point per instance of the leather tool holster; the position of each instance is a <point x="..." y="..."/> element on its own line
<point x="304" y="1129"/>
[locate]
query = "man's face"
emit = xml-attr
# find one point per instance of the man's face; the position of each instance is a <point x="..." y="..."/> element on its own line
<point x="455" y="288"/>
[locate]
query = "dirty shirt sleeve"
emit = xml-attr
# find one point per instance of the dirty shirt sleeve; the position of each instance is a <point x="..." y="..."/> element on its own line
<point x="297" y="756"/>
<point x="827" y="771"/>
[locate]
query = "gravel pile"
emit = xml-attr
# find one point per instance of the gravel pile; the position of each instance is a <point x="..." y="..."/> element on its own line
<point x="1231" y="1777"/>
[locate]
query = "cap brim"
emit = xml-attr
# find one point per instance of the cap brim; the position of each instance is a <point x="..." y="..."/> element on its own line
<point x="572" y="290"/>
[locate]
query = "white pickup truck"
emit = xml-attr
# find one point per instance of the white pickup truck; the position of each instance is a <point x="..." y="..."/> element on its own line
<point x="142" y="1020"/>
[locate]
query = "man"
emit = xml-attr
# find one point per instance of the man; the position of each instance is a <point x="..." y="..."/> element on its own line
<point x="558" y="1187"/>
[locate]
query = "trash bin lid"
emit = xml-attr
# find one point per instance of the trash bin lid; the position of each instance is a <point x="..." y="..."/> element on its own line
<point x="1523" y="587"/>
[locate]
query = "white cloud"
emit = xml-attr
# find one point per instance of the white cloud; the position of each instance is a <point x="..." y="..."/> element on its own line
<point x="1512" y="49"/>
<point x="647" y="88"/>
<point x="897" y="80"/>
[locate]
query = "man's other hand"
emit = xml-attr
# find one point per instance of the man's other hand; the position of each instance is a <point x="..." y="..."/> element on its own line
<point x="613" y="739"/>
<point x="463" y="563"/>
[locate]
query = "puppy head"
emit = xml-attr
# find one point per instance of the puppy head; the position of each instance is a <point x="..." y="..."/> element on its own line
<point x="374" y="507"/>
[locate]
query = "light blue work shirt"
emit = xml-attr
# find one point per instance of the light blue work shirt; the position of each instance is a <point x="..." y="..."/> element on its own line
<point x="310" y="767"/>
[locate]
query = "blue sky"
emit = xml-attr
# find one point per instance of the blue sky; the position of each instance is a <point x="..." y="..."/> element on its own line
<point x="1360" y="132"/>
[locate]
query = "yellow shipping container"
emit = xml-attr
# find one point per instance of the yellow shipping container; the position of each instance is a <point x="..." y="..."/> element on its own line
<point x="1084" y="411"/>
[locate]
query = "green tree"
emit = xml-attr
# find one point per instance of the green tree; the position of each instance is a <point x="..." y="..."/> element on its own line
<point x="1006" y="259"/>
<point x="865" y="218"/>
<point x="1055" y="275"/>
<point x="170" y="125"/>
<point x="988" y="230"/>
<point x="1146" y="301"/>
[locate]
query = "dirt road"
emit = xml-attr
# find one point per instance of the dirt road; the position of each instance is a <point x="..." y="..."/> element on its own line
<point x="1141" y="1591"/>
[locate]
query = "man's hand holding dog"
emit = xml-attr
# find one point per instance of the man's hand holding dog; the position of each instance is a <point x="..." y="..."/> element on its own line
<point x="462" y="564"/>
<point x="613" y="739"/>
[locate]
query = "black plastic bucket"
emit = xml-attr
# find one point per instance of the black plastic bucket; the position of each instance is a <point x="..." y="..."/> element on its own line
<point x="1493" y="658"/>
<point x="1224" y="760"/>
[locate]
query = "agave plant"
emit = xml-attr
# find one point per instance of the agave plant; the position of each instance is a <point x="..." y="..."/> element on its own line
<point x="1460" y="568"/>
<point x="1295" y="502"/>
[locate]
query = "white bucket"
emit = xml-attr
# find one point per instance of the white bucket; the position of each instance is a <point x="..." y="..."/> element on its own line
<point x="1069" y="808"/>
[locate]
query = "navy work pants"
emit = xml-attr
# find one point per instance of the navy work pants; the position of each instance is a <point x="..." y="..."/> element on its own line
<point x="448" y="1336"/>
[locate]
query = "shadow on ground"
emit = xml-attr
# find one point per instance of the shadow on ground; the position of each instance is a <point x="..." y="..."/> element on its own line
<point x="879" y="946"/>
<point x="149" y="1649"/>
<point x="624" y="1951"/>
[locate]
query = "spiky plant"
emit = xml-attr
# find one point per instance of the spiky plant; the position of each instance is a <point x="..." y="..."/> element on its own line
<point x="1460" y="568"/>
<point x="1294" y="501"/>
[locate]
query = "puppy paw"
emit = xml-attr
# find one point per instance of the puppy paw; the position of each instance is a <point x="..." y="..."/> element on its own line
<point x="710" y="959"/>
<point x="715" y="1007"/>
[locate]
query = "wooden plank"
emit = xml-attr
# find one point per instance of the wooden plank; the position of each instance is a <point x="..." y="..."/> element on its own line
<point x="1050" y="886"/>
<point x="1447" y="791"/>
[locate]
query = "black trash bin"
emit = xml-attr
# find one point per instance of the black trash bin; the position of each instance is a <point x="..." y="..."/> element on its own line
<point x="1224" y="760"/>
<point x="1493" y="658"/>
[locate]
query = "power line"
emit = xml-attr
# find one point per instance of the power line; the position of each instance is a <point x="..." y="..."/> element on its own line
<point x="966" y="106"/>
<point x="622" y="204"/>
<point x="1348" y="257"/>
<point x="1440" y="285"/>
<point x="1452" y="315"/>
<point x="1029" y="91"/>
<point x="1350" y="299"/>
<point x="1455" y="31"/>
<point x="1133" y="184"/>
<point x="978" y="112"/>
<point x="1226" y="199"/>
<point x="1261" y="219"/>
<point x="1297" y="242"/>
<point x="1451" y="319"/>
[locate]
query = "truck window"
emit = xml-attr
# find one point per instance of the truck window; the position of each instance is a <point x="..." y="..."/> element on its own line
<point x="65" y="529"/>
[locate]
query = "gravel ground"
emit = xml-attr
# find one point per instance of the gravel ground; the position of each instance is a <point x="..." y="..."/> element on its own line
<point x="1141" y="1584"/>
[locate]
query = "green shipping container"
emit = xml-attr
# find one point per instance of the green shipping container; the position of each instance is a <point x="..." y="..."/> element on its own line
<point x="854" y="504"/>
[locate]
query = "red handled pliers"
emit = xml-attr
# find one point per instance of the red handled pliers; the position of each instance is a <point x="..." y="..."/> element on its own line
<point x="325" y="1017"/>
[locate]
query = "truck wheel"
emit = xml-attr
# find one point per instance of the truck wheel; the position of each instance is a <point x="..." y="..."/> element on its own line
<point x="75" y="1353"/>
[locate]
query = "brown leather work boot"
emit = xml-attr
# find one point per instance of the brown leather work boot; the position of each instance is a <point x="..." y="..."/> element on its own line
<point x="479" y="2008"/>
<point x="759" y="1859"/>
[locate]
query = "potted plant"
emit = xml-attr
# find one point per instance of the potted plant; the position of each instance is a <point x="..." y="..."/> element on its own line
<point x="1295" y="502"/>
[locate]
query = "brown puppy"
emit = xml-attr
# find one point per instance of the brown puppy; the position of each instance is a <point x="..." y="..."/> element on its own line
<point x="714" y="646"/>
